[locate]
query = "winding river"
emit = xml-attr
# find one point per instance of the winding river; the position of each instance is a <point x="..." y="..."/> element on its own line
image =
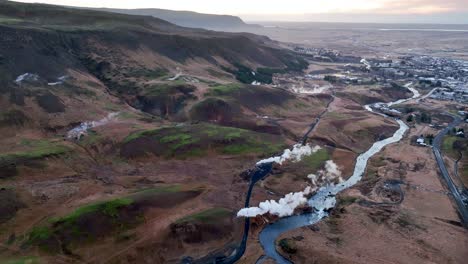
<point x="324" y="199"/>
<point x="321" y="201"/>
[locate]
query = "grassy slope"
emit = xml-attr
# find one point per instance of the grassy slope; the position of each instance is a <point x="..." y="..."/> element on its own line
<point x="449" y="149"/>
<point x="199" y="139"/>
<point x="36" y="149"/>
<point x="21" y="260"/>
<point x="108" y="217"/>
<point x="62" y="39"/>
<point x="314" y="161"/>
<point x="447" y="146"/>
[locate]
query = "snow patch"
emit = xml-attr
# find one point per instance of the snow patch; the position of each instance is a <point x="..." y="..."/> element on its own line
<point x="26" y="77"/>
<point x="60" y="80"/>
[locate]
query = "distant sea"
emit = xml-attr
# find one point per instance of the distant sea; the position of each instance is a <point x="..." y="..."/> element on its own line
<point x="365" y="26"/>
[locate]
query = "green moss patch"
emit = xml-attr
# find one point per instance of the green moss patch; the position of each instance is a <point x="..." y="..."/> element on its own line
<point x="108" y="208"/>
<point x="33" y="150"/>
<point x="90" y="222"/>
<point x="287" y="245"/>
<point x="225" y="89"/>
<point x="128" y="115"/>
<point x="298" y="171"/>
<point x="9" y="20"/>
<point x="447" y="146"/>
<point x="92" y="138"/>
<point x="22" y="260"/>
<point x="314" y="161"/>
<point x="199" y="139"/>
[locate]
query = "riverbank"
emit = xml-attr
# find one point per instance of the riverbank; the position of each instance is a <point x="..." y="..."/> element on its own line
<point x="424" y="228"/>
<point x="324" y="200"/>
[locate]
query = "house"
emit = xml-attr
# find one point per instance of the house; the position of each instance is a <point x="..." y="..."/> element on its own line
<point x="420" y="141"/>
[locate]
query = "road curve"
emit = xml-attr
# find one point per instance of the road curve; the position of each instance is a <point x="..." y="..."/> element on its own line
<point x="457" y="197"/>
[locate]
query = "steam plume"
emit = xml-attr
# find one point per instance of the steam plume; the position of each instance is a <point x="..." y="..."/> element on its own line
<point x="284" y="207"/>
<point x="330" y="173"/>
<point x="295" y="155"/>
<point x="79" y="131"/>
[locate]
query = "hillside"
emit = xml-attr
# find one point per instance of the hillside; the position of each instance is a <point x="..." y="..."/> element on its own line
<point x="131" y="55"/>
<point x="185" y="18"/>
<point x="131" y="139"/>
<point x="121" y="132"/>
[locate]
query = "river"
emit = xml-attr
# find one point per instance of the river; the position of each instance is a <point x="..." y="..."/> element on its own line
<point x="322" y="201"/>
<point x="325" y="199"/>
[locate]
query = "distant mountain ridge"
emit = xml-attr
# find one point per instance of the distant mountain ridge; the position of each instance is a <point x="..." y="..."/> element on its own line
<point x="184" y="18"/>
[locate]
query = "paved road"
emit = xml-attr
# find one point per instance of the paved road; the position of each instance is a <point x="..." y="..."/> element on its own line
<point x="462" y="207"/>
<point x="317" y="121"/>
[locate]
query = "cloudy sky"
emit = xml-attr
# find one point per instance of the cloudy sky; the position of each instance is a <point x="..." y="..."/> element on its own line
<point x="428" y="11"/>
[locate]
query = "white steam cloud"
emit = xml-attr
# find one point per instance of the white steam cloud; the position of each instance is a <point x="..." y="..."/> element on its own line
<point x="79" y="131"/>
<point x="284" y="207"/>
<point x="314" y="90"/>
<point x="295" y="155"/>
<point x="331" y="173"/>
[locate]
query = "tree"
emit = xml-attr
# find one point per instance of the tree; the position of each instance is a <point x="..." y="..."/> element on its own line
<point x="430" y="138"/>
<point x="410" y="118"/>
<point x="459" y="145"/>
<point x="331" y="79"/>
<point x="425" y="118"/>
<point x="409" y="110"/>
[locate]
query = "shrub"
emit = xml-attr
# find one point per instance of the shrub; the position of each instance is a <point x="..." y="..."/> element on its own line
<point x="288" y="246"/>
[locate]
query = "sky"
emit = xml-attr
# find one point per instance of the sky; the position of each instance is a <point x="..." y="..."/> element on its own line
<point x="417" y="11"/>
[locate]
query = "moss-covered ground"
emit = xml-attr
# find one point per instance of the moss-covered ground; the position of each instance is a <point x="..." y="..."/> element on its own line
<point x="103" y="218"/>
<point x="199" y="139"/>
<point x="32" y="150"/>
